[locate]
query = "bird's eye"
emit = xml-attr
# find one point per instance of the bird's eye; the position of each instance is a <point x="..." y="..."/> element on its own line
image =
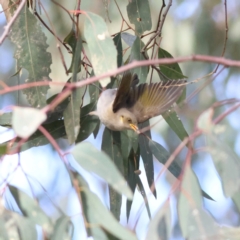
<point x="129" y="120"/>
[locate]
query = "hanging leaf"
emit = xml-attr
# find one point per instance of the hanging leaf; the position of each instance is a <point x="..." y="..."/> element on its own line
<point x="147" y="156"/>
<point x="101" y="217"/>
<point x="101" y="46"/>
<point x="175" y="123"/>
<point x="31" y="54"/>
<point x="25" y="121"/>
<point x="111" y="145"/>
<point x="98" y="162"/>
<point x="136" y="55"/>
<point x="139" y="14"/>
<point x="72" y="112"/>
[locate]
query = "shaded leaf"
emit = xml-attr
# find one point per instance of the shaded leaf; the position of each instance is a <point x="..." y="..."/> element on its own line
<point x="118" y="42"/>
<point x="133" y="165"/>
<point x="146" y="155"/>
<point x="128" y="38"/>
<point x="111" y="145"/>
<point x="25" y="121"/>
<point x="101" y="46"/>
<point x="30" y="208"/>
<point x="71" y="39"/>
<point x="3" y="149"/>
<point x="136" y="54"/>
<point x="139" y="14"/>
<point x="195" y="223"/>
<point x="31" y="53"/>
<point x="98" y="162"/>
<point x="160" y="225"/>
<point x="88" y="123"/>
<point x="175" y="123"/>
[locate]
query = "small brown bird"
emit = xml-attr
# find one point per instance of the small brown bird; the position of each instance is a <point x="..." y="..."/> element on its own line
<point x="130" y="104"/>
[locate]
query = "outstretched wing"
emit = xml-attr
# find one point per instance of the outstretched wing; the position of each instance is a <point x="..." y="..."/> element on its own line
<point x="149" y="100"/>
<point x="123" y="91"/>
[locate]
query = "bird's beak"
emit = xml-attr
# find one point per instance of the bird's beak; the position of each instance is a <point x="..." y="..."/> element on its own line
<point x="134" y="127"/>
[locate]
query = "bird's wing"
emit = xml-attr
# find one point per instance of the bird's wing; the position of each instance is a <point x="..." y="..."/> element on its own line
<point x="149" y="100"/>
<point x="124" y="89"/>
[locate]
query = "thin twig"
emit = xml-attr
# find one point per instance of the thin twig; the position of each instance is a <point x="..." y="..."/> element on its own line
<point x="10" y="23"/>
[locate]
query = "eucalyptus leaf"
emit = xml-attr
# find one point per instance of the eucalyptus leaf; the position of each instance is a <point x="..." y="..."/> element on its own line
<point x="111" y="145"/>
<point x="190" y="210"/>
<point x="175" y="123"/>
<point x="25" y="121"/>
<point x="147" y="156"/>
<point x="136" y="55"/>
<point x="30" y="208"/>
<point x="118" y="42"/>
<point x="98" y="162"/>
<point x="101" y="46"/>
<point x="139" y="14"/>
<point x="61" y="229"/>
<point x="31" y="54"/>
<point x="72" y="112"/>
<point x="160" y="225"/>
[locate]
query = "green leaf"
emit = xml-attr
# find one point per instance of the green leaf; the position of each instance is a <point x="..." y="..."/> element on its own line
<point x="133" y="165"/>
<point x="61" y="229"/>
<point x="136" y="55"/>
<point x="31" y="54"/>
<point x="101" y="46"/>
<point x="139" y="14"/>
<point x="175" y="123"/>
<point x="111" y="145"/>
<point x="30" y="208"/>
<point x="88" y="123"/>
<point x="94" y="91"/>
<point x="118" y="42"/>
<point x="102" y="217"/>
<point x="98" y="162"/>
<point x="171" y="71"/>
<point x="147" y="156"/>
<point x="72" y="112"/>
<point x="195" y="223"/>
<point x="72" y="40"/>
<point x="25" y="121"/>
<point x="160" y="225"/>
<point x="162" y="155"/>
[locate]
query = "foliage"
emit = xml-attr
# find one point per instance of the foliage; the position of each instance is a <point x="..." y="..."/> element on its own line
<point x="96" y="56"/>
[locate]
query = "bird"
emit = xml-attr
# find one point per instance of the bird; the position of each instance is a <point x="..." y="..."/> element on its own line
<point x="131" y="104"/>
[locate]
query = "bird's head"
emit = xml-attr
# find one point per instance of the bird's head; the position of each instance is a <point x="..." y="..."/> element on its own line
<point x="127" y="120"/>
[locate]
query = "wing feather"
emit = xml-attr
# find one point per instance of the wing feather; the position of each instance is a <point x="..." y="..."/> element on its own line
<point x="149" y="100"/>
